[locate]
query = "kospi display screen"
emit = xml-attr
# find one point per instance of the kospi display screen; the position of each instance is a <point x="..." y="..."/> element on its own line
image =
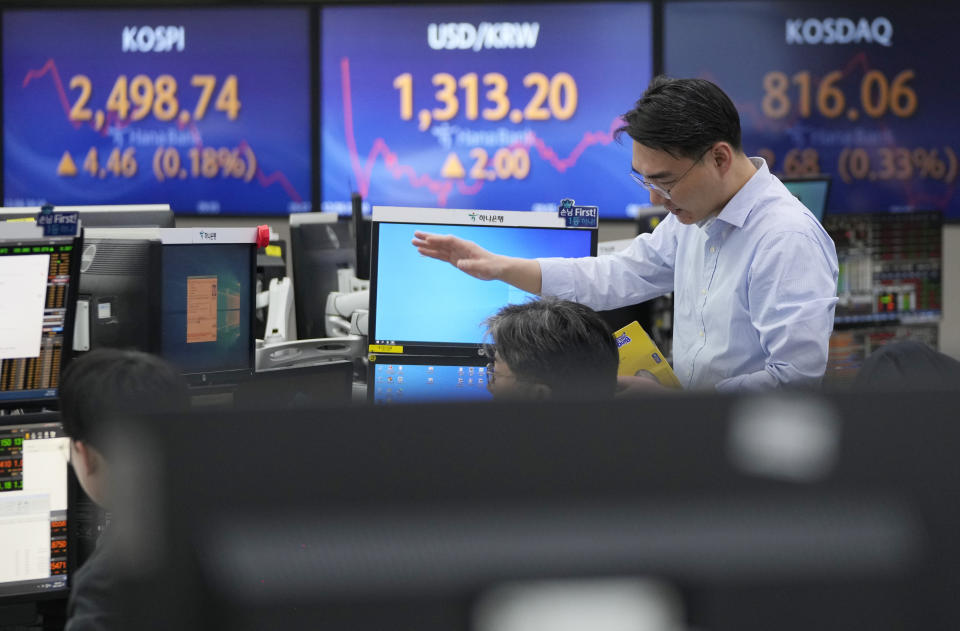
<point x="207" y="110"/>
<point x="496" y="106"/>
<point x="865" y="93"/>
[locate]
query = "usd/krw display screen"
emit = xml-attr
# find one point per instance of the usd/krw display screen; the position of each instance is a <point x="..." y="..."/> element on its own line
<point x="207" y="110"/>
<point x="863" y="92"/>
<point x="498" y="106"/>
<point x="424" y="300"/>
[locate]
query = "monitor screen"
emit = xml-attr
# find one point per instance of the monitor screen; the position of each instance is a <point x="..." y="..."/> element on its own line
<point x="206" y="302"/>
<point x="33" y="507"/>
<point x="205" y="109"/>
<point x="498" y="105"/>
<point x="421" y="301"/>
<point x="37" y="303"/>
<point x="420" y="379"/>
<point x="864" y="93"/>
<point x="812" y="193"/>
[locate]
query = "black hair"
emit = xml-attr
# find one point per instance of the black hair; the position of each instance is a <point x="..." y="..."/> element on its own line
<point x="562" y="344"/>
<point x="683" y="117"/>
<point x="106" y="384"/>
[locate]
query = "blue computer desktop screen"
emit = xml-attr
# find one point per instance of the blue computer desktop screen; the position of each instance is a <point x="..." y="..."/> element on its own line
<point x="206" y="294"/>
<point x="412" y="383"/>
<point x="423" y="300"/>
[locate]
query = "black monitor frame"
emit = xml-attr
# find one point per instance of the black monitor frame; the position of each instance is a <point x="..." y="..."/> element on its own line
<point x="213" y="377"/>
<point x="329" y="383"/>
<point x="127" y="278"/>
<point x="439" y="349"/>
<point x="70" y="300"/>
<point x="320" y="244"/>
<point x="73" y="494"/>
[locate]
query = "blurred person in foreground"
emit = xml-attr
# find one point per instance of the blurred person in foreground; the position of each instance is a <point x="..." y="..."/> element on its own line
<point x="97" y="391"/>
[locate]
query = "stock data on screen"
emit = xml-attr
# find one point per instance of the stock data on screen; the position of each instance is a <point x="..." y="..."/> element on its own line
<point x="494" y="106"/>
<point x="864" y="93"/>
<point x="207" y="110"/>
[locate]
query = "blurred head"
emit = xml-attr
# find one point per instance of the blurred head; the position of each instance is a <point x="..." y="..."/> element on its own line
<point x="102" y="388"/>
<point x="551" y="348"/>
<point x="686" y="138"/>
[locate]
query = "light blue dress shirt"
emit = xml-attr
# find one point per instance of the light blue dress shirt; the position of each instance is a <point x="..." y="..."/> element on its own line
<point x="754" y="288"/>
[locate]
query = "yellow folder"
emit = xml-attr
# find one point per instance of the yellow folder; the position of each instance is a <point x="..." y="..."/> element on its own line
<point x="638" y="353"/>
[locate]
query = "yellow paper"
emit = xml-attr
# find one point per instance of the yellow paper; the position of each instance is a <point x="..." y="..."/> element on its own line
<point x="639" y="354"/>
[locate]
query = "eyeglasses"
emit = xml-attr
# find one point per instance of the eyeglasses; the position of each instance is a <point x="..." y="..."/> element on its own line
<point x="664" y="192"/>
<point x="492" y="376"/>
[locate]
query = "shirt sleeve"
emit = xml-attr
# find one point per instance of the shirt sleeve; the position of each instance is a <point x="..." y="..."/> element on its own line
<point x="642" y="271"/>
<point x="792" y="293"/>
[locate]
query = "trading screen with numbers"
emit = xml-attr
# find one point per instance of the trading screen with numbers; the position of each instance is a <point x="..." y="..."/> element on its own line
<point x="857" y="91"/>
<point x="496" y="106"/>
<point x="207" y="110"/>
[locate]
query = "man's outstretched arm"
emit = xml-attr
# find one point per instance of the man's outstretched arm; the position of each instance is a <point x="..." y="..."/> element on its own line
<point x="480" y="263"/>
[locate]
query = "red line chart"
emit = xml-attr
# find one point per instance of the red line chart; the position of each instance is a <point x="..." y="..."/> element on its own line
<point x="113" y="120"/>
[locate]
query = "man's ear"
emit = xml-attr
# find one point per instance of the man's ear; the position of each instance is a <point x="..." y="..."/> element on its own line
<point x="721" y="156"/>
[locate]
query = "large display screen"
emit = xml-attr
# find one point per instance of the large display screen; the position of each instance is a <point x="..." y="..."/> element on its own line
<point x="207" y="110"/>
<point x="863" y="92"/>
<point x="496" y="106"/>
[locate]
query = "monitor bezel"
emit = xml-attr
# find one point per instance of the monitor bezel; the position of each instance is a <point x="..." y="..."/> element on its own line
<point x="441" y="218"/>
<point x="73" y="494"/>
<point x="225" y="376"/>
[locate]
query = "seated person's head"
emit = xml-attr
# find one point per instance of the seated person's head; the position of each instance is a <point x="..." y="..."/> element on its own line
<point x="101" y="388"/>
<point x="551" y="348"/>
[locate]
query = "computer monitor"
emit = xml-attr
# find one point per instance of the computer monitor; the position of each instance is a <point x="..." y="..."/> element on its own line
<point x="321" y="245"/>
<point x="38" y="294"/>
<point x="207" y="280"/>
<point x="276" y="390"/>
<point x="417" y="379"/>
<point x="34" y="546"/>
<point x="107" y="216"/>
<point x="763" y="512"/>
<point x="118" y="301"/>
<point x="811" y="191"/>
<point x="423" y="306"/>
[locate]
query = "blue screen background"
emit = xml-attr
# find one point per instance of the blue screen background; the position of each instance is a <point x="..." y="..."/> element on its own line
<point x="410" y="383"/>
<point x="267" y="50"/>
<point x="420" y="299"/>
<point x="366" y="145"/>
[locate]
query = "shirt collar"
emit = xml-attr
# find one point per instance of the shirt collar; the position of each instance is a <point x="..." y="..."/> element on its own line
<point x="738" y="208"/>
